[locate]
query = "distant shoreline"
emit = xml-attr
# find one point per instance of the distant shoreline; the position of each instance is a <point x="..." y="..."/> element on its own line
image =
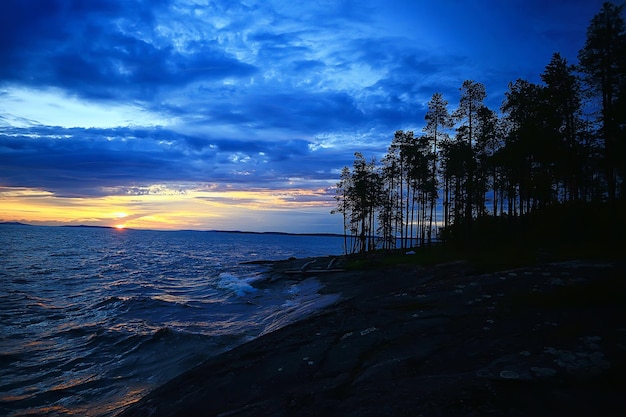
<point x="179" y="230"/>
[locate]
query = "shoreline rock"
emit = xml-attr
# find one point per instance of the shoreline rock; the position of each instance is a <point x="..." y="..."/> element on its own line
<point x="542" y="341"/>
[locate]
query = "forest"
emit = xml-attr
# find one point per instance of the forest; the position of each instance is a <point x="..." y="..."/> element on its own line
<point x="549" y="164"/>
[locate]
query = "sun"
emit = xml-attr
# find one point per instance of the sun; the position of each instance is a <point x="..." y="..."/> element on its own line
<point x="120" y="226"/>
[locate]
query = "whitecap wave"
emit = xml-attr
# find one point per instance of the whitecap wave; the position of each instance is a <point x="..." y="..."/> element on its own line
<point x="237" y="285"/>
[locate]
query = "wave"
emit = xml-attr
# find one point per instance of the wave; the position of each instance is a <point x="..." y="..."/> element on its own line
<point x="237" y="285"/>
<point x="9" y="358"/>
<point x="104" y="363"/>
<point x="140" y="303"/>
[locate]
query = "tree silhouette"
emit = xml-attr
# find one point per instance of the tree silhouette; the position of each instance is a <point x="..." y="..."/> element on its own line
<point x="487" y="143"/>
<point x="344" y="202"/>
<point x="540" y="154"/>
<point x="471" y="102"/>
<point x="438" y="121"/>
<point x="603" y="62"/>
<point x="564" y="125"/>
<point x="523" y="147"/>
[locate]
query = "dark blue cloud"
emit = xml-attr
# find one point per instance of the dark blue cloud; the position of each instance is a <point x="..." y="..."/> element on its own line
<point x="95" y="50"/>
<point x="304" y="111"/>
<point x="307" y="65"/>
<point x="80" y="162"/>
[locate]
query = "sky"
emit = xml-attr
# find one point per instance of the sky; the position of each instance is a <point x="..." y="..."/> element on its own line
<point x="238" y="115"/>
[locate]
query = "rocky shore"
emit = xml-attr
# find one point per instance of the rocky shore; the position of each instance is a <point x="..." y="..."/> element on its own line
<point x="545" y="340"/>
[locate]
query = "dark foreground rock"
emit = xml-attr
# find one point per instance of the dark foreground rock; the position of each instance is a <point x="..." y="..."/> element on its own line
<point x="539" y="341"/>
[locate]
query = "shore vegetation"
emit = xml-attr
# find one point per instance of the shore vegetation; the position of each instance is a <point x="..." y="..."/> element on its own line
<point x="547" y="169"/>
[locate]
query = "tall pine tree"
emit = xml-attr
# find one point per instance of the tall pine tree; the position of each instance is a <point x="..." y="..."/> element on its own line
<point x="603" y="62"/>
<point x="438" y="120"/>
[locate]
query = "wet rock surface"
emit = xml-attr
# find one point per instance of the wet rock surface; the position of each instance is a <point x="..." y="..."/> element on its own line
<point x="407" y="341"/>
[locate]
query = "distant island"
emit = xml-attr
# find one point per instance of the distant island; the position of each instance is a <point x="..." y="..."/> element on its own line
<point x="184" y="230"/>
<point x="85" y="225"/>
<point x="277" y="233"/>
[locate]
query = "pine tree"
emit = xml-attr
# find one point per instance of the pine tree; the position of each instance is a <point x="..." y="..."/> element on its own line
<point x="438" y="121"/>
<point x="523" y="143"/>
<point x="603" y="62"/>
<point x="563" y="111"/>
<point x="472" y="97"/>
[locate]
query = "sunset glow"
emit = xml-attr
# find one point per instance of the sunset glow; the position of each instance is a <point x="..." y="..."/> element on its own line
<point x="197" y="209"/>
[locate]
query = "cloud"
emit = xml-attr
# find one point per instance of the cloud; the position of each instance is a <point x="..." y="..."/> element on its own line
<point x="95" y="50"/>
<point x="92" y="162"/>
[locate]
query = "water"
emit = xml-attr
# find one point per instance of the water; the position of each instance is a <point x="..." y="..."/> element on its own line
<point x="92" y="319"/>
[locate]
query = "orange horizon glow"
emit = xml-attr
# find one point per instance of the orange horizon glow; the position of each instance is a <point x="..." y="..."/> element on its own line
<point x="194" y="209"/>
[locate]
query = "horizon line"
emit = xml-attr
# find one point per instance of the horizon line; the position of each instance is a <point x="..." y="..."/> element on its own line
<point x="16" y="223"/>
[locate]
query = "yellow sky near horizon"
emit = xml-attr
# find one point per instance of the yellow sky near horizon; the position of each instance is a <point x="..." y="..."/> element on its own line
<point x="192" y="209"/>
